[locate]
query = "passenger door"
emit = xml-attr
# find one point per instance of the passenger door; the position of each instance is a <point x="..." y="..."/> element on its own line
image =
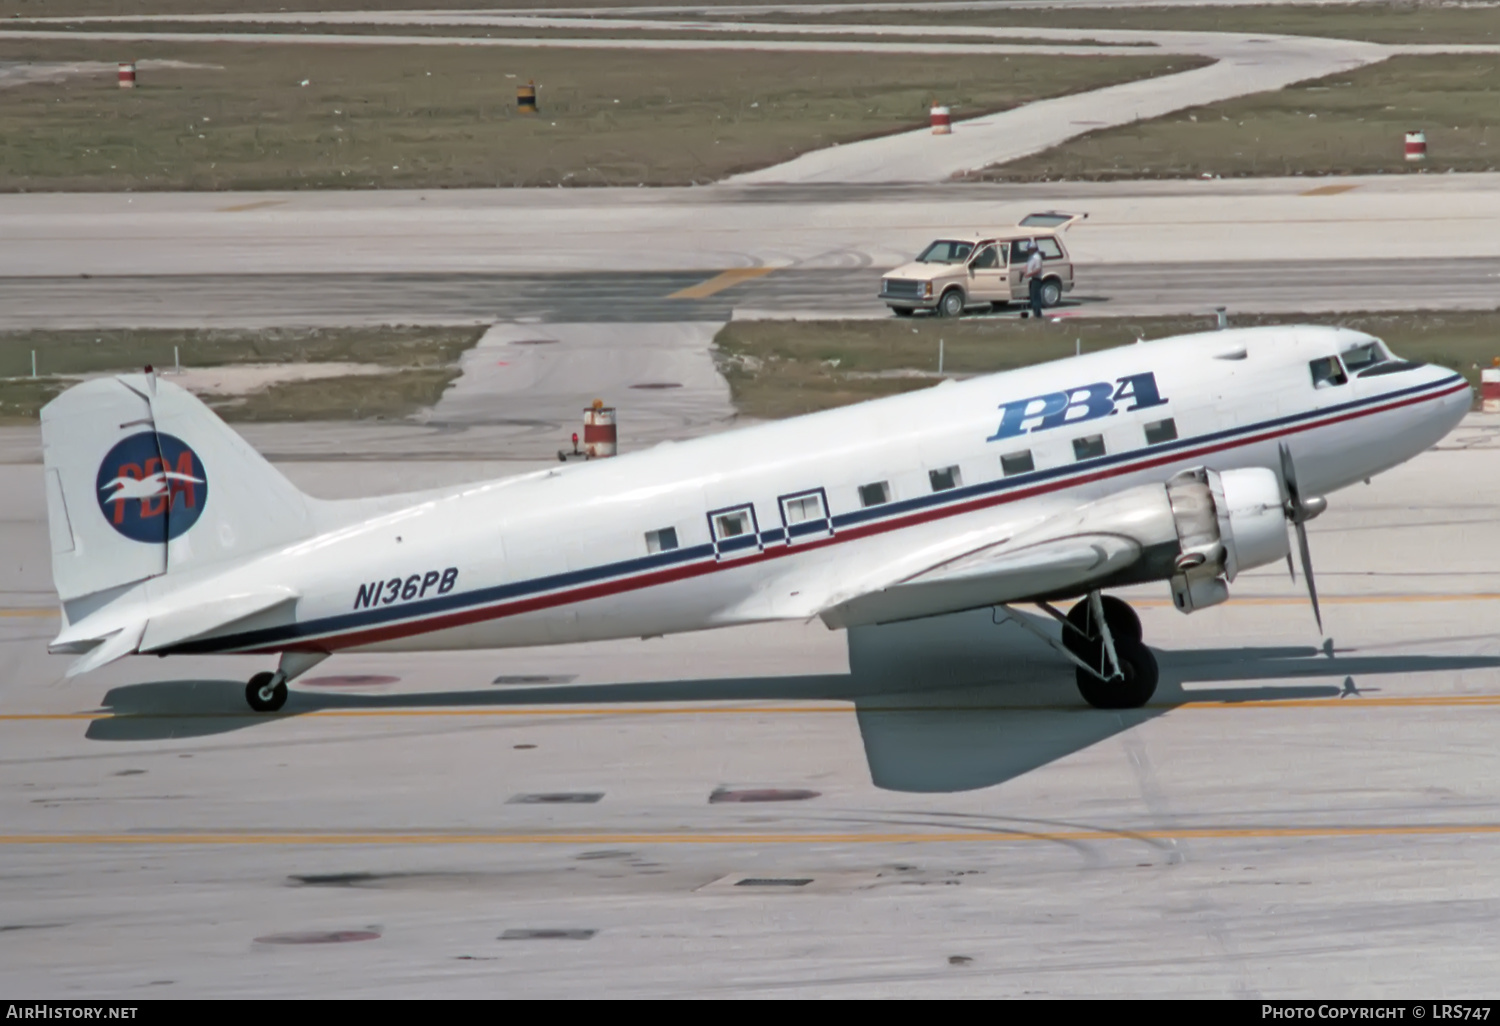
<point x="987" y="274"/>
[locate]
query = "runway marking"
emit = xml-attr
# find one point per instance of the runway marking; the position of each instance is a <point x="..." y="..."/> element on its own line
<point x="435" y="837"/>
<point x="1328" y="190"/>
<point x="1352" y="702"/>
<point x="719" y="282"/>
<point x="19" y="613"/>
<point x="257" y="205"/>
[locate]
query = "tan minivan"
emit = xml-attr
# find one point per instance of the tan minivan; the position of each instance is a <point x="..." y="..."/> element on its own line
<point x="964" y="271"/>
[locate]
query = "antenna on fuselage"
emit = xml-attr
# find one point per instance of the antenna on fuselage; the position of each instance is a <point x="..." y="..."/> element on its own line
<point x="1223" y="314"/>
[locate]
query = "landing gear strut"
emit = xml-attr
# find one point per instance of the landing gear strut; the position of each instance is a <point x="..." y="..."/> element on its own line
<point x="267" y="692"/>
<point x="1123" y="671"/>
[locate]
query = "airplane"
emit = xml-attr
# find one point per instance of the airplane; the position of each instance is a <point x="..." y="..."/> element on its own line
<point x="1186" y="460"/>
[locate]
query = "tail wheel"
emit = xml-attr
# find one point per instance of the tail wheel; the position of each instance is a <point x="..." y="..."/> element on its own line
<point x="1051" y="292"/>
<point x="952" y="303"/>
<point x="265" y="693"/>
<point x="1140" y="674"/>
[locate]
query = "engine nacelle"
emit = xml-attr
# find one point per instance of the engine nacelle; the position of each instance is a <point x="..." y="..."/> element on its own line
<point x="1226" y="523"/>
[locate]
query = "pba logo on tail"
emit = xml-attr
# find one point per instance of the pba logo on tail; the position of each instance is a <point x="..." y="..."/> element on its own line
<point x="152" y="487"/>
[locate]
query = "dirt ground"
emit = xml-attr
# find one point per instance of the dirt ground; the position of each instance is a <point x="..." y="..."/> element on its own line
<point x="313" y="374"/>
<point x="416" y="116"/>
<point x="785" y="368"/>
<point x="1349" y="123"/>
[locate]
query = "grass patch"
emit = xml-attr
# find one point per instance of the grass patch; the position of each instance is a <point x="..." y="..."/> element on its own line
<point x="1401" y="21"/>
<point x="781" y="369"/>
<point x="419" y="117"/>
<point x="423" y="361"/>
<point x="1349" y="123"/>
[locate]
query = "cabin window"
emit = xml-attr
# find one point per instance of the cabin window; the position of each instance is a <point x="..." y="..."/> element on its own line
<point x="1087" y="447"/>
<point x="661" y="541"/>
<point x="803" y="508"/>
<point x="732" y="524"/>
<point x="1017" y="463"/>
<point x="944" y="479"/>
<point x="876" y="494"/>
<point x="1159" y="431"/>
<point x="1327" y="372"/>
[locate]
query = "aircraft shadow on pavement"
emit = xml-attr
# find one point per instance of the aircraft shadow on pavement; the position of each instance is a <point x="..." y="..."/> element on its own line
<point x="949" y="703"/>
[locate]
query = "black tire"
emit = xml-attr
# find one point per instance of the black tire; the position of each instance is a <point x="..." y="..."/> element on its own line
<point x="261" y="696"/>
<point x="902" y="311"/>
<point x="1052" y="292"/>
<point x="1140" y="670"/>
<point x="1122" y="620"/>
<point x="952" y="303"/>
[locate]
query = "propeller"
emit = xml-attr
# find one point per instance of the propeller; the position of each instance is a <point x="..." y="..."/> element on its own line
<point x="1299" y="511"/>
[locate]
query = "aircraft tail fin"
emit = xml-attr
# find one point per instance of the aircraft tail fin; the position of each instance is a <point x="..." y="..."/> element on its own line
<point x="143" y="480"/>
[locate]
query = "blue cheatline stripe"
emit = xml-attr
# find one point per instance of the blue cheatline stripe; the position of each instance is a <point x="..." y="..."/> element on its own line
<point x="273" y="637"/>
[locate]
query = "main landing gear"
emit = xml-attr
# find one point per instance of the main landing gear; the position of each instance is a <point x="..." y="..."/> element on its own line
<point x="267" y="692"/>
<point x="1101" y="637"/>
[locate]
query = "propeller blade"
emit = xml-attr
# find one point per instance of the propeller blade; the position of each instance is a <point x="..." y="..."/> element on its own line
<point x="1289" y="478"/>
<point x="1289" y="567"/>
<point x="1312" y="588"/>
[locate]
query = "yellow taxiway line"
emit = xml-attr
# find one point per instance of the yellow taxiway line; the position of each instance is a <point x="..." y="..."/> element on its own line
<point x="257" y="205"/>
<point x="439" y="837"/>
<point x="719" y="282"/>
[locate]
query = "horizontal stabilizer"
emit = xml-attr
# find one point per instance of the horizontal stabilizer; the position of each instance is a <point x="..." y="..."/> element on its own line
<point x="166" y="629"/>
<point x="117" y="646"/>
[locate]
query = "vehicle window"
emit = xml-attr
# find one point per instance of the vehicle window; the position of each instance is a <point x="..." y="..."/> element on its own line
<point x="1017" y="463"/>
<point x="1087" y="447"/>
<point x="731" y="525"/>
<point x="1049" y="247"/>
<point x="987" y="258"/>
<point x="661" y="541"/>
<point x="874" y="494"/>
<point x="945" y="251"/>
<point x="1159" y="431"/>
<point x="1047" y="220"/>
<point x="944" y="479"/>
<point x="1360" y="357"/>
<point x="1327" y="372"/>
<point x="807" y="507"/>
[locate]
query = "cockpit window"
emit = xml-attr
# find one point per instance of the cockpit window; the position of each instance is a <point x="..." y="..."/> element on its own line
<point x="1327" y="372"/>
<point x="946" y="251"/>
<point x="1361" y="357"/>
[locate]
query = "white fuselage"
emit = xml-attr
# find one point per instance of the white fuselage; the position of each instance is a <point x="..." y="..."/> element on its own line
<point x="563" y="555"/>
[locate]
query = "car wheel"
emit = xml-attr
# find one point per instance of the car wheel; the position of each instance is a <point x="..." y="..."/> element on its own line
<point x="901" y="311"/>
<point x="1051" y="292"/>
<point x="952" y="303"/>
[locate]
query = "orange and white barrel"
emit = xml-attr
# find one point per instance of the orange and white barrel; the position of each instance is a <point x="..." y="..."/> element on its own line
<point x="1416" y="145"/>
<point x="599" y="430"/>
<point x="127" y="74"/>
<point x="942" y="123"/>
<point x="1489" y="388"/>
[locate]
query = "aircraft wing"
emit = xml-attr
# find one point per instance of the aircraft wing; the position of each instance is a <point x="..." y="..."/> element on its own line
<point x="1003" y="572"/>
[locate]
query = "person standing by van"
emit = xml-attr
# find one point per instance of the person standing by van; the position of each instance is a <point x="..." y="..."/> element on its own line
<point x="1033" y="277"/>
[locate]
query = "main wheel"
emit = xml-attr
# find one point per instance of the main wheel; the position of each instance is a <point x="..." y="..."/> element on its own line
<point x="265" y="693"/>
<point x="1123" y="623"/>
<point x="952" y="303"/>
<point x="1136" y="663"/>
<point x="1051" y="292"/>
